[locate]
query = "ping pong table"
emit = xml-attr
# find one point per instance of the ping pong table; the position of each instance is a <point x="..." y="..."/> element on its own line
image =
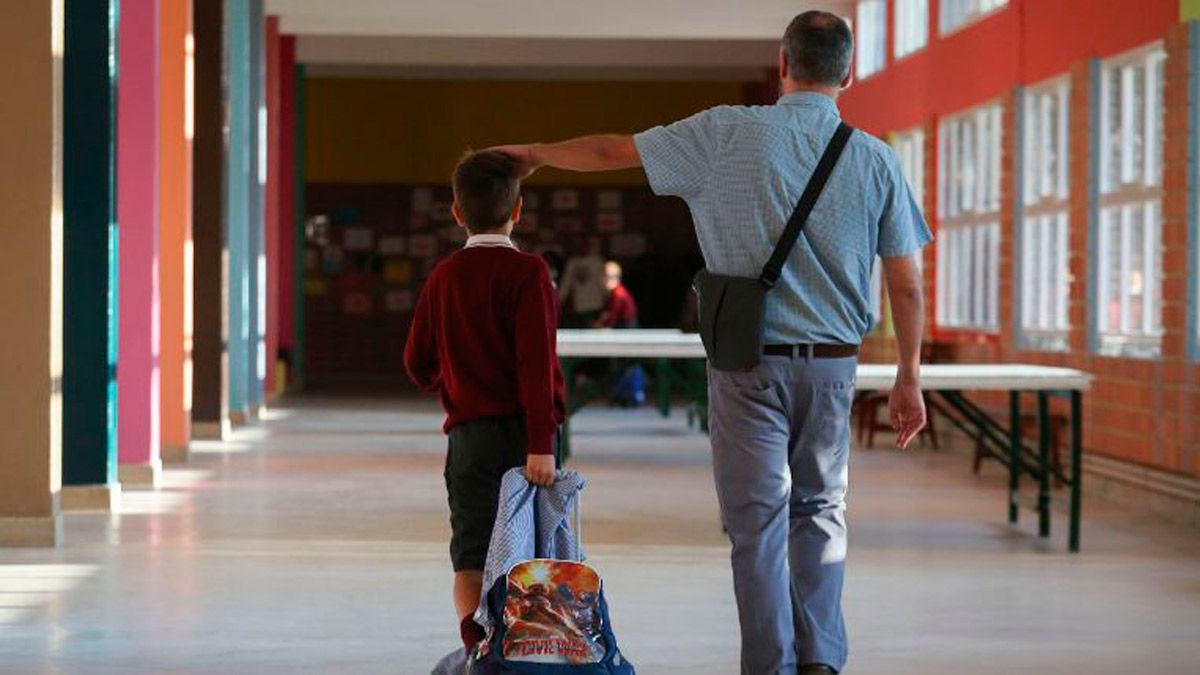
<point x="948" y="382"/>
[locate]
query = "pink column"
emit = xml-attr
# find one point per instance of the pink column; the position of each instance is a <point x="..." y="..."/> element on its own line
<point x="138" y="388"/>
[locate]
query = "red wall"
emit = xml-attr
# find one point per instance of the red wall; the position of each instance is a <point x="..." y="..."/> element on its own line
<point x="1027" y="41"/>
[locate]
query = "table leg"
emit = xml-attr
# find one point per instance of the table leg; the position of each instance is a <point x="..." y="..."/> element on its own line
<point x="1076" y="468"/>
<point x="662" y="385"/>
<point x="1014" y="455"/>
<point x="1043" y="503"/>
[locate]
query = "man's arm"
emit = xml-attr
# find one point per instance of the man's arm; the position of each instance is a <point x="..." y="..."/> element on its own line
<point x="602" y="152"/>
<point x="906" y="405"/>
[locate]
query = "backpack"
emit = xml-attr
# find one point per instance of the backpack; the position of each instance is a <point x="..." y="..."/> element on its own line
<point x="549" y="617"/>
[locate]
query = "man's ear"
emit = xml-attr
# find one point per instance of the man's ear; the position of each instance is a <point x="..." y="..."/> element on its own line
<point x="847" y="80"/>
<point x="516" y="212"/>
<point x="458" y="215"/>
<point x="783" y="65"/>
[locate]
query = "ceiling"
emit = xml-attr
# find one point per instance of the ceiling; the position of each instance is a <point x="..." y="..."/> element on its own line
<point x="541" y="39"/>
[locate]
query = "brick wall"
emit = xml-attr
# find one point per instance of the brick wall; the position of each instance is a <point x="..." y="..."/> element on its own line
<point x="1140" y="410"/>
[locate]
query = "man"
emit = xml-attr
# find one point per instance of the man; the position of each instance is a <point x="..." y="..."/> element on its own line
<point x="582" y="288"/>
<point x="780" y="432"/>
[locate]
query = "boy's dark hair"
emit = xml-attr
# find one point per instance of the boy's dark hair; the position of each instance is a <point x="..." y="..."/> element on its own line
<point x="818" y="47"/>
<point x="486" y="189"/>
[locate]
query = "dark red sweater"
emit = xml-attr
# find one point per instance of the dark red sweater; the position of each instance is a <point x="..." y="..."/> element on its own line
<point x="483" y="337"/>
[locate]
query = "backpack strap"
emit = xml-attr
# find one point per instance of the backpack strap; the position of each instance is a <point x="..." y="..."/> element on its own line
<point x="783" y="248"/>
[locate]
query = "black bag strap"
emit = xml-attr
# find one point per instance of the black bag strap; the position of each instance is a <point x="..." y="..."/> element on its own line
<point x="783" y="248"/>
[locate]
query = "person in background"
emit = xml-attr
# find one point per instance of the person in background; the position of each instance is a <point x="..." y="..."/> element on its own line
<point x="621" y="310"/>
<point x="582" y="286"/>
<point x="629" y="391"/>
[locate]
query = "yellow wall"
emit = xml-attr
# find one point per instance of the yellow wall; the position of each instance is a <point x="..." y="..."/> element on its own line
<point x="413" y="131"/>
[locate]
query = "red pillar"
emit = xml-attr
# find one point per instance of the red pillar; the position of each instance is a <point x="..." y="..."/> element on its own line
<point x="285" y="173"/>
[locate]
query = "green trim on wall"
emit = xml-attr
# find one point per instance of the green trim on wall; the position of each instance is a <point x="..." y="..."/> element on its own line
<point x="90" y="245"/>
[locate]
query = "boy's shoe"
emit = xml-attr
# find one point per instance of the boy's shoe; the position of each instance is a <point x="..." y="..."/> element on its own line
<point x="817" y="669"/>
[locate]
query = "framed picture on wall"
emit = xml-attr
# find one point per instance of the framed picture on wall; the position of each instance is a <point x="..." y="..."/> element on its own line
<point x="333" y="259"/>
<point x="358" y="238"/>
<point x="423" y="246"/>
<point x="565" y="200"/>
<point x="609" y="222"/>
<point x="608" y="200"/>
<point x="568" y="225"/>
<point x="357" y="304"/>
<point x="398" y="272"/>
<point x="398" y="301"/>
<point x="440" y="212"/>
<point x="422" y="199"/>
<point x="393" y="245"/>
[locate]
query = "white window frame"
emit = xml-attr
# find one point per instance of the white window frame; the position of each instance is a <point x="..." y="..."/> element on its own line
<point x="970" y="147"/>
<point x="870" y="37"/>
<point x="909" y="147"/>
<point x="955" y="14"/>
<point x="911" y="26"/>
<point x="1044" y="239"/>
<point x="910" y="151"/>
<point x="1129" y="218"/>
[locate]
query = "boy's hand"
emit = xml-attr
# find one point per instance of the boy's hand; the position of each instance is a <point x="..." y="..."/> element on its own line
<point x="539" y="470"/>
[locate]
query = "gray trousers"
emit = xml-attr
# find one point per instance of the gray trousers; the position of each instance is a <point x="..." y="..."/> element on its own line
<point x="781" y="444"/>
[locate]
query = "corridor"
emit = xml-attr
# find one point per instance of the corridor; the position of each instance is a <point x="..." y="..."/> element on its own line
<point x="315" y="542"/>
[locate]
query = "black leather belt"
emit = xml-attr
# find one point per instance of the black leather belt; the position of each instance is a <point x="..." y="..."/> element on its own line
<point x="817" y="351"/>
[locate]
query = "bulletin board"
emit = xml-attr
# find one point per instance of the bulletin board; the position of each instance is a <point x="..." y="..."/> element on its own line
<point x="369" y="248"/>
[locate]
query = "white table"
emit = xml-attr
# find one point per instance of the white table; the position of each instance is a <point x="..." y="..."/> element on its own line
<point x="1004" y="443"/>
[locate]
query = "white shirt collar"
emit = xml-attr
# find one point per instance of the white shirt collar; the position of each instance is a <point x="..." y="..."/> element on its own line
<point x="490" y="240"/>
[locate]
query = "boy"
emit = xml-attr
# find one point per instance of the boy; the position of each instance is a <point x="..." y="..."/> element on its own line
<point x="483" y="338"/>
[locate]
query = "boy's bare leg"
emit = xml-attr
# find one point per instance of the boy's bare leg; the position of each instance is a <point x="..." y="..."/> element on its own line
<point x="468" y="588"/>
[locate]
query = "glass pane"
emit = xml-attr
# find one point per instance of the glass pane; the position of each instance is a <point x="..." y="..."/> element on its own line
<point x="1112" y="239"/>
<point x="1135" y="257"/>
<point x="1153" y="268"/>
<point x="1046" y="243"/>
<point x="1063" y="272"/>
<point x="1029" y="265"/>
<point x="1113" y="154"/>
<point x="1155" y="128"/>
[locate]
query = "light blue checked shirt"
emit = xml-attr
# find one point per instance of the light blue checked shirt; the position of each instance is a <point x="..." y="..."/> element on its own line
<point x="741" y="170"/>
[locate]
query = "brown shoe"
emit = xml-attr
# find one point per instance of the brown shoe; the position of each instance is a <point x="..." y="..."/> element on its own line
<point x="817" y="669"/>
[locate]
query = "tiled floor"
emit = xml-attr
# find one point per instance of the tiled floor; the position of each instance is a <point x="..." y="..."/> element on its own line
<point x="316" y="543"/>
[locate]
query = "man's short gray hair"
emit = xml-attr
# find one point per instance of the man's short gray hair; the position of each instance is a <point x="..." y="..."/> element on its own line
<point x="818" y="46"/>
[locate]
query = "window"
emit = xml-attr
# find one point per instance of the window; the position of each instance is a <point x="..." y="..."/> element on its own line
<point x="871" y="37"/>
<point x="1045" y="280"/>
<point x="968" y="249"/>
<point x="954" y="14"/>
<point x="1129" y="237"/>
<point x="912" y="26"/>
<point x="910" y="149"/>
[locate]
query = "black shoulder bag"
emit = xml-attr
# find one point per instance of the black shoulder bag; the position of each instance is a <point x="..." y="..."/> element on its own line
<point x="731" y="308"/>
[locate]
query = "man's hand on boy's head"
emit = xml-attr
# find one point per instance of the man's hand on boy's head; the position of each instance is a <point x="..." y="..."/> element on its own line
<point x="523" y="154"/>
<point x="539" y="470"/>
